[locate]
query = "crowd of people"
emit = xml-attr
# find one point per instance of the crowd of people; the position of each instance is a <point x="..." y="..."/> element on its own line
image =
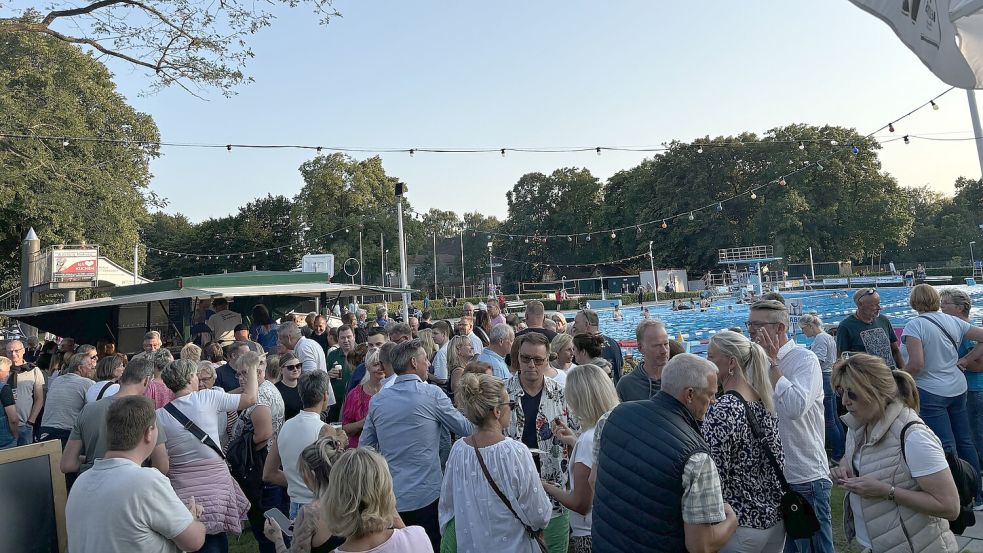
<point x="494" y="434"/>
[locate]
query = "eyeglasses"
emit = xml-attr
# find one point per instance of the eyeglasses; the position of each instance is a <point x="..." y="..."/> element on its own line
<point x="511" y="404"/>
<point x="753" y="325"/>
<point x="850" y="394"/>
<point x="538" y="361"/>
<point x="292" y="367"/>
<point x="867" y="292"/>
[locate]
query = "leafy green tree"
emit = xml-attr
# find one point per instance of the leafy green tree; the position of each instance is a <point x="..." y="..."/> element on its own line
<point x="69" y="191"/>
<point x="190" y="43"/>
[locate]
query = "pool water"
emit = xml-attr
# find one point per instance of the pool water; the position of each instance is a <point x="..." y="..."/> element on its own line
<point x="832" y="306"/>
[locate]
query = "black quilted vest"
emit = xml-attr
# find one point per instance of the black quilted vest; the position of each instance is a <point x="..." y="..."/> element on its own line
<point x="638" y="495"/>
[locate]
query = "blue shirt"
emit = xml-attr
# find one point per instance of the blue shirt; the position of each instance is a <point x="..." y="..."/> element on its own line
<point x="974" y="381"/>
<point x="497" y="362"/>
<point x="404" y="424"/>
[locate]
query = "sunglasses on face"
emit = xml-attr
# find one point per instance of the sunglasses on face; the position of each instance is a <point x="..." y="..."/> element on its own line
<point x="292" y="367"/>
<point x="850" y="394"/>
<point x="538" y="361"/>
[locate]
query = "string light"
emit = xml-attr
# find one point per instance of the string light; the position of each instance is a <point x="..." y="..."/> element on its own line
<point x="503" y="152"/>
<point x="820" y="167"/>
<point x="754" y="196"/>
<point x="598" y="150"/>
<point x="699" y="150"/>
<point x="664" y="225"/>
<point x="691" y="216"/>
<point x="720" y="207"/>
<point x="781" y="181"/>
<point x="855" y="150"/>
<point x="802" y="145"/>
<point x="935" y="106"/>
<point x="613" y="235"/>
<point x="65" y="142"/>
<point x="228" y="147"/>
<point x="907" y="140"/>
<point x="890" y="127"/>
<point x="569" y="238"/>
<point x="412" y="151"/>
<point x="588" y="238"/>
<point x="833" y="143"/>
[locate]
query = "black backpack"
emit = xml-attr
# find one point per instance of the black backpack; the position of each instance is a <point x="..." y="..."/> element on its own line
<point x="967" y="484"/>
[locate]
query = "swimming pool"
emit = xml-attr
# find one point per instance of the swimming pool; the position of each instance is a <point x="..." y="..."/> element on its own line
<point x="832" y="306"/>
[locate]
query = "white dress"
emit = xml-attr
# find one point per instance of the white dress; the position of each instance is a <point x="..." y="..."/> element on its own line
<point x="483" y="523"/>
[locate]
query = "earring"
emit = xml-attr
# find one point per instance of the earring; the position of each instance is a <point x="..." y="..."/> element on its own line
<point x="732" y="372"/>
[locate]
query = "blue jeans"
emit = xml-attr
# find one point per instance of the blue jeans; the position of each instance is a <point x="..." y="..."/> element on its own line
<point x="817" y="494"/>
<point x="835" y="436"/>
<point x="294" y="509"/>
<point x="974" y="409"/>
<point x="26" y="436"/>
<point x="949" y="419"/>
<point x="215" y="543"/>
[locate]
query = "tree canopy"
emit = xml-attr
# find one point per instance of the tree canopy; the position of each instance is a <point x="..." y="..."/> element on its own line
<point x="190" y="43"/>
<point x="69" y="191"/>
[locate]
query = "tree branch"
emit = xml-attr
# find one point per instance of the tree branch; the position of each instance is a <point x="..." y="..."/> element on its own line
<point x="55" y="14"/>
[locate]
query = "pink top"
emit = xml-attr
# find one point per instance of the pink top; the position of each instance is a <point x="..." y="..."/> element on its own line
<point x="411" y="539"/>
<point x="355" y="408"/>
<point x="159" y="392"/>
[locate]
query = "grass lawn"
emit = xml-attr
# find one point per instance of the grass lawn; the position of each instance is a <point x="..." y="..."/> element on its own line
<point x="246" y="543"/>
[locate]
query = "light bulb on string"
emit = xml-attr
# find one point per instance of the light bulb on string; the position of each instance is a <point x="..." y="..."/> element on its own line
<point x="820" y="166"/>
<point x="855" y="150"/>
<point x="588" y="238"/>
<point x="699" y="150"/>
<point x="65" y="142"/>
<point x="907" y="140"/>
<point x="412" y="151"/>
<point x="614" y="235"/>
<point x="720" y="206"/>
<point x="228" y="147"/>
<point x="598" y="150"/>
<point x="802" y="145"/>
<point x="664" y="225"/>
<point x="934" y="105"/>
<point x="503" y="152"/>
<point x="754" y="196"/>
<point x="691" y="216"/>
<point x="569" y="238"/>
<point x="890" y="127"/>
<point x="527" y="240"/>
<point x="833" y="143"/>
<point x="781" y="181"/>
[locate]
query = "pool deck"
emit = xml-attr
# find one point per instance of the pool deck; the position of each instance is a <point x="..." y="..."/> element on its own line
<point x="972" y="538"/>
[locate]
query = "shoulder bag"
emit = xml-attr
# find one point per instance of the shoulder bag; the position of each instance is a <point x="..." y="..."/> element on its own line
<point x="800" y="519"/>
<point x="536" y="535"/>
<point x="944" y="331"/>
<point x="110" y="383"/>
<point x="190" y="426"/>
<point x="966" y="478"/>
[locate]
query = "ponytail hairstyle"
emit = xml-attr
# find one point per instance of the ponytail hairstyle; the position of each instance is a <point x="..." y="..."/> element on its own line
<point x="873" y="381"/>
<point x="315" y="462"/>
<point x="752" y="360"/>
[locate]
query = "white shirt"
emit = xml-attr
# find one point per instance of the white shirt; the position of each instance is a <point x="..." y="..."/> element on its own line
<point x="206" y="408"/>
<point x="297" y="433"/>
<point x="799" y="404"/>
<point x="93" y="392"/>
<point x="311" y="356"/>
<point x="476" y="345"/>
<point x="439" y="363"/>
<point x="582" y="453"/>
<point x="924" y="456"/>
<point x="824" y="346"/>
<point x="940" y="375"/>
<point x="223" y="324"/>
<point x="483" y="523"/>
<point x="561" y="379"/>
<point x="119" y="507"/>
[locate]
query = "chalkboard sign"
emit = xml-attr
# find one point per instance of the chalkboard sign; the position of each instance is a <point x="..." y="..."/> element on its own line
<point x="32" y="499"/>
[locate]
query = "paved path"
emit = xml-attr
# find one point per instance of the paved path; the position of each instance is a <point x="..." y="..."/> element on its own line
<point x="972" y="538"/>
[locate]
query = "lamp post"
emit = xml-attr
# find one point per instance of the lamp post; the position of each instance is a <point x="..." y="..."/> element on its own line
<point x="491" y="270"/>
<point x="655" y="277"/>
<point x="404" y="283"/>
<point x="972" y="260"/>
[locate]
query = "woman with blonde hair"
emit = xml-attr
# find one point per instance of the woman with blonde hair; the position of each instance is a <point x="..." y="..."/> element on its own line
<point x="748" y="455"/>
<point x="899" y="487"/>
<point x="824" y="346"/>
<point x="426" y="339"/>
<point x="361" y="507"/>
<point x="562" y="352"/>
<point x="310" y="529"/>
<point x="459" y="354"/>
<point x="467" y="496"/>
<point x="356" y="405"/>
<point x="190" y="351"/>
<point x="590" y="394"/>
<point x="932" y="340"/>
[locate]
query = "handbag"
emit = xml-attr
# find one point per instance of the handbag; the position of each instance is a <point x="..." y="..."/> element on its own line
<point x="800" y="519"/>
<point x="536" y="535"/>
<point x="188" y="425"/>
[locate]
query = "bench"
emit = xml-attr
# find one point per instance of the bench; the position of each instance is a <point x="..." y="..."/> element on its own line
<point x="513" y="306"/>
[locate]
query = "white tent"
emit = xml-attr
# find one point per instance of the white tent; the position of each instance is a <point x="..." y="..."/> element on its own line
<point x="947" y="35"/>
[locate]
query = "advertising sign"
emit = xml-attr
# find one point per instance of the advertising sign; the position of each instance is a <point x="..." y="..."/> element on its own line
<point x="78" y="265"/>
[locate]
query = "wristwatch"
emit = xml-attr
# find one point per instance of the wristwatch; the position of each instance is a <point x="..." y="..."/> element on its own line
<point x="890" y="494"/>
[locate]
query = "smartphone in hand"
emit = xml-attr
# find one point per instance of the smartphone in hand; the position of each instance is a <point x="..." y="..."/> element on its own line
<point x="277" y="516"/>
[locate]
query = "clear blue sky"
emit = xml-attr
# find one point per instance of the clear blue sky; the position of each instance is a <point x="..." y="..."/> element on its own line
<point x="550" y="73"/>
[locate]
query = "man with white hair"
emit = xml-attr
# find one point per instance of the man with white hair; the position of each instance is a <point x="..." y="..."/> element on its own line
<point x="798" y="380"/>
<point x="308" y="352"/>
<point x="655" y="464"/>
<point x="499" y="345"/>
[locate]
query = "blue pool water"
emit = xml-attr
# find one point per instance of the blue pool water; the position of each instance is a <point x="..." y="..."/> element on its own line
<point x="832" y="306"/>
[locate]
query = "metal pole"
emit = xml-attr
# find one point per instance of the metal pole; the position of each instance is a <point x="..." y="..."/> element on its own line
<point x="435" y="265"/>
<point x="361" y="267"/>
<point x="136" y="261"/>
<point x="30" y="248"/>
<point x="972" y="260"/>
<point x="655" y="277"/>
<point x="974" y="114"/>
<point x="491" y="269"/>
<point x="382" y="254"/>
<point x="812" y="266"/>
<point x="402" y="261"/>
<point x="464" y="290"/>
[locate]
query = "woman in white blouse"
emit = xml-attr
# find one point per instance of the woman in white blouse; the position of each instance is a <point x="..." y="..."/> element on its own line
<point x="590" y="393"/>
<point x="824" y="346"/>
<point x="473" y="517"/>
